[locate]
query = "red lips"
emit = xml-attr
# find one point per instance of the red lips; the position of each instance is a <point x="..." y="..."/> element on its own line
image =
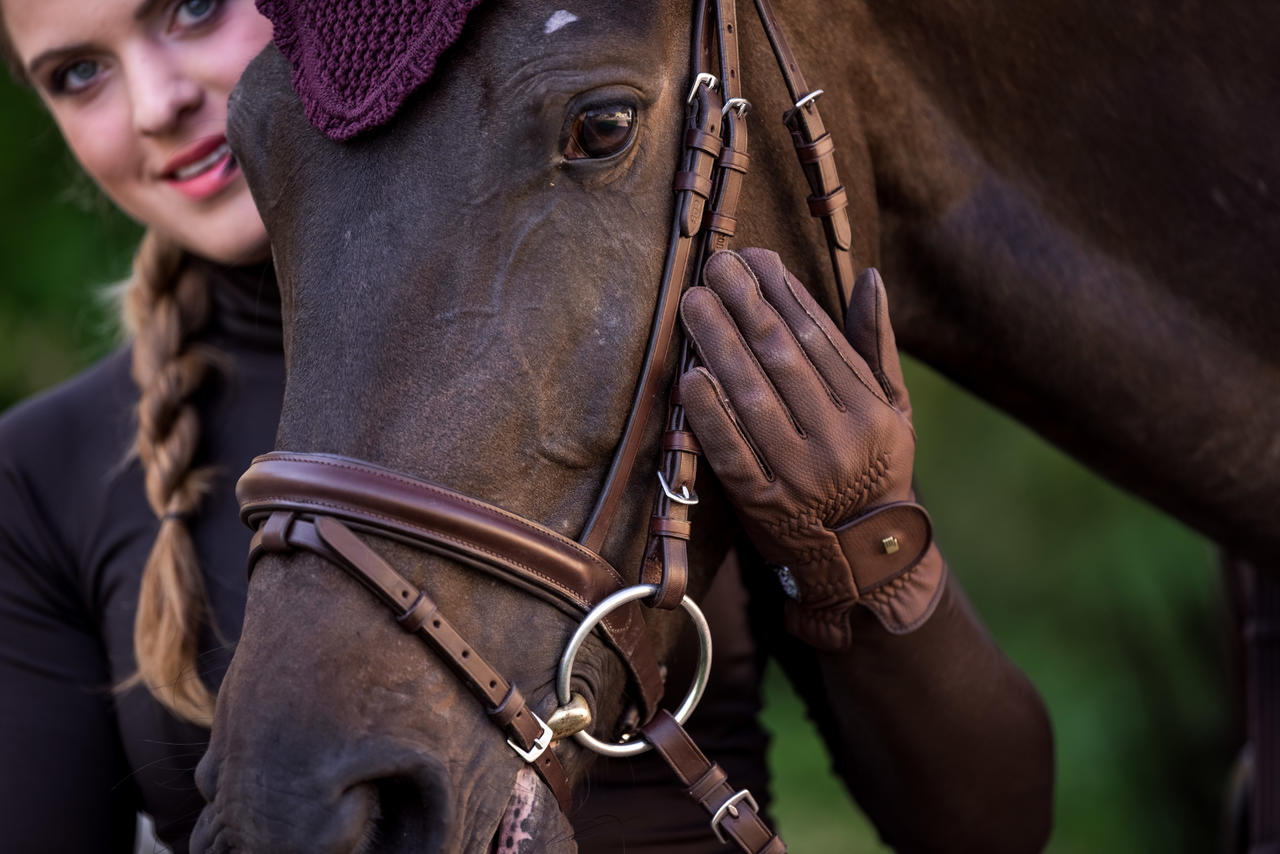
<point x="202" y="169"/>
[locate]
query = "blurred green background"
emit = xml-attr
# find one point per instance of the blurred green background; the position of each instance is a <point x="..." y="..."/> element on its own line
<point x="1113" y="609"/>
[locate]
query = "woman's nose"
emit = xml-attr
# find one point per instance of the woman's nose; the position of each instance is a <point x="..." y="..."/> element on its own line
<point x="160" y="89"/>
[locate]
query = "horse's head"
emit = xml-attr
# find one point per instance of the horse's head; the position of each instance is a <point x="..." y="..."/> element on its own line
<point x="467" y="295"/>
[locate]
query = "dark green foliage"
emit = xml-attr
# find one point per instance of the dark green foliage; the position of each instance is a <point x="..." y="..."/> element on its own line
<point x="61" y="244"/>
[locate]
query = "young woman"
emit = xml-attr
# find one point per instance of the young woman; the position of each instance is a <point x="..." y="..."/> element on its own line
<point x="116" y="488"/>
<point x="121" y="588"/>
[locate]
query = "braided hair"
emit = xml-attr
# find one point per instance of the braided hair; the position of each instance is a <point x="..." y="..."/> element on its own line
<point x="165" y="304"/>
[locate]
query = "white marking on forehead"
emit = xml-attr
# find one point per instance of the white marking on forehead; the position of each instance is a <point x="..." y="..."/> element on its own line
<point x="559" y="19"/>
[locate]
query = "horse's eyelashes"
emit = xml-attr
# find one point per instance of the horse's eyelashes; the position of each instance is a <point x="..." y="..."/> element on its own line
<point x="600" y="132"/>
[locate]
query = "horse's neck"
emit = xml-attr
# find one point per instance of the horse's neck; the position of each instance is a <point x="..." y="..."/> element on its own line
<point x="1072" y="229"/>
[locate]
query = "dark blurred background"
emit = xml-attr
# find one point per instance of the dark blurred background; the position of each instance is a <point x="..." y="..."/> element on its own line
<point x="1115" y="610"/>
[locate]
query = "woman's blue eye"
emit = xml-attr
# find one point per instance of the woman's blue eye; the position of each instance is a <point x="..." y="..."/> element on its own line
<point x="191" y="12"/>
<point x="76" y="76"/>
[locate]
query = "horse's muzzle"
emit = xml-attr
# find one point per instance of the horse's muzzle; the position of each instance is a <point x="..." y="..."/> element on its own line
<point x="398" y="803"/>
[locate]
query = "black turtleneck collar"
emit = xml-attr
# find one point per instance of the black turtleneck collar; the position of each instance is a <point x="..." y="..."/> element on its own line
<point x="244" y="303"/>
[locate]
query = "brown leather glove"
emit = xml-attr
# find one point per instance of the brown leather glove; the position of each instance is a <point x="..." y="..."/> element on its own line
<point x="812" y="439"/>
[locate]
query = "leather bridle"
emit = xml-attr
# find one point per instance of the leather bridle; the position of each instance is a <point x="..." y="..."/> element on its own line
<point x="323" y="503"/>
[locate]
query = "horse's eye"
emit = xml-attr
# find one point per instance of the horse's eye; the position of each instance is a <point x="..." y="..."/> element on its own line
<point x="601" y="132"/>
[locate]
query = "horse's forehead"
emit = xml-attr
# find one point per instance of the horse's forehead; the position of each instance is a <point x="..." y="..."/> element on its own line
<point x="498" y="40"/>
<point x="510" y="68"/>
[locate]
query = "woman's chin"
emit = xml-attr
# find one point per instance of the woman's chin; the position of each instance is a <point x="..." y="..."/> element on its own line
<point x="233" y="247"/>
<point x="226" y="230"/>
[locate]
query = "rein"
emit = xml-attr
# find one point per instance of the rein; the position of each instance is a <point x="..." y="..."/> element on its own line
<point x="322" y="503"/>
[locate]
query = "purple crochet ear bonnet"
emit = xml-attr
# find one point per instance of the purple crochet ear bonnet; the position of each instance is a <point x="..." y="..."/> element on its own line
<point x="355" y="61"/>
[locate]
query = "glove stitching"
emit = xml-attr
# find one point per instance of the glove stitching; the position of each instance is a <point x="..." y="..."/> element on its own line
<point x="827" y="588"/>
<point x="750" y="350"/>
<point x="882" y="600"/>
<point x="848" y="496"/>
<point x="873" y="386"/>
<point x="817" y="553"/>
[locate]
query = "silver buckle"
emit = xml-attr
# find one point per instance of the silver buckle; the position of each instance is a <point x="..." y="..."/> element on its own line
<point x="741" y="106"/>
<point x="703" y="77"/>
<point x="730" y="809"/>
<point x="540" y="744"/>
<point x="685" y="497"/>
<point x="808" y="99"/>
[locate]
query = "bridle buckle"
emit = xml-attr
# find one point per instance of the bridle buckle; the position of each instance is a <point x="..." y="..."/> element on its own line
<point x="729" y="809"/>
<point x="540" y="744"/>
<point x="684" y="496"/>
<point x="808" y="99"/>
<point x="703" y="77"/>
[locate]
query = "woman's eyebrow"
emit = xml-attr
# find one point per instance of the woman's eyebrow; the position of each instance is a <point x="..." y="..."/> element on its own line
<point x="146" y="9"/>
<point x="54" y="54"/>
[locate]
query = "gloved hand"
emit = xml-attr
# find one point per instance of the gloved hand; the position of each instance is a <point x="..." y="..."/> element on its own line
<point x="812" y="440"/>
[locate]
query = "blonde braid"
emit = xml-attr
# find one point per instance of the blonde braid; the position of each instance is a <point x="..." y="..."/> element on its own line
<point x="163" y="306"/>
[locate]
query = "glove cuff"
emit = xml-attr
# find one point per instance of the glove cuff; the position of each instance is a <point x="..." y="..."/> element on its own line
<point x="884" y="543"/>
<point x="907" y="601"/>
<point x="880" y="564"/>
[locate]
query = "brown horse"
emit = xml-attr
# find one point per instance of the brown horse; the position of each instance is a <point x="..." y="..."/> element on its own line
<point x="1009" y="168"/>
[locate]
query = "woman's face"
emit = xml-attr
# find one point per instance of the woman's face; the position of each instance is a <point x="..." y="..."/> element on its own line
<point x="139" y="89"/>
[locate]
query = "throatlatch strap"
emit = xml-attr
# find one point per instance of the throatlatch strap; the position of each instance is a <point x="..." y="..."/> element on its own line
<point x="814" y="149"/>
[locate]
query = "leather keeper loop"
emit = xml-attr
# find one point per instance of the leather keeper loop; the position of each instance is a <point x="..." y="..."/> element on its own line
<point x="703" y="141"/>
<point x="732" y="158"/>
<point x="275" y="533"/>
<point x="681" y="440"/>
<point x="661" y="526"/>
<point x="830" y="203"/>
<point x="417" y="615"/>
<point x="722" y="224"/>
<point x="708" y="783"/>
<point x="812" y="152"/>
<point x="692" y="182"/>
<point x="505" y="712"/>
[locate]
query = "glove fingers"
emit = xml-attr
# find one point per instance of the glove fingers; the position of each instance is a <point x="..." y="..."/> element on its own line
<point x="772" y="341"/>
<point x="729" y="451"/>
<point x="760" y="410"/>
<point x="844" y="372"/>
<point x="868" y="330"/>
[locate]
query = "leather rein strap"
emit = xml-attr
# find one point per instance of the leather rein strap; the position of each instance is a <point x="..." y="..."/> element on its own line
<point x="318" y="502"/>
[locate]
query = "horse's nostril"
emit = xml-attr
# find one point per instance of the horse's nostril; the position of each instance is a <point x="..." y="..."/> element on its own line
<point x="409" y="816"/>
